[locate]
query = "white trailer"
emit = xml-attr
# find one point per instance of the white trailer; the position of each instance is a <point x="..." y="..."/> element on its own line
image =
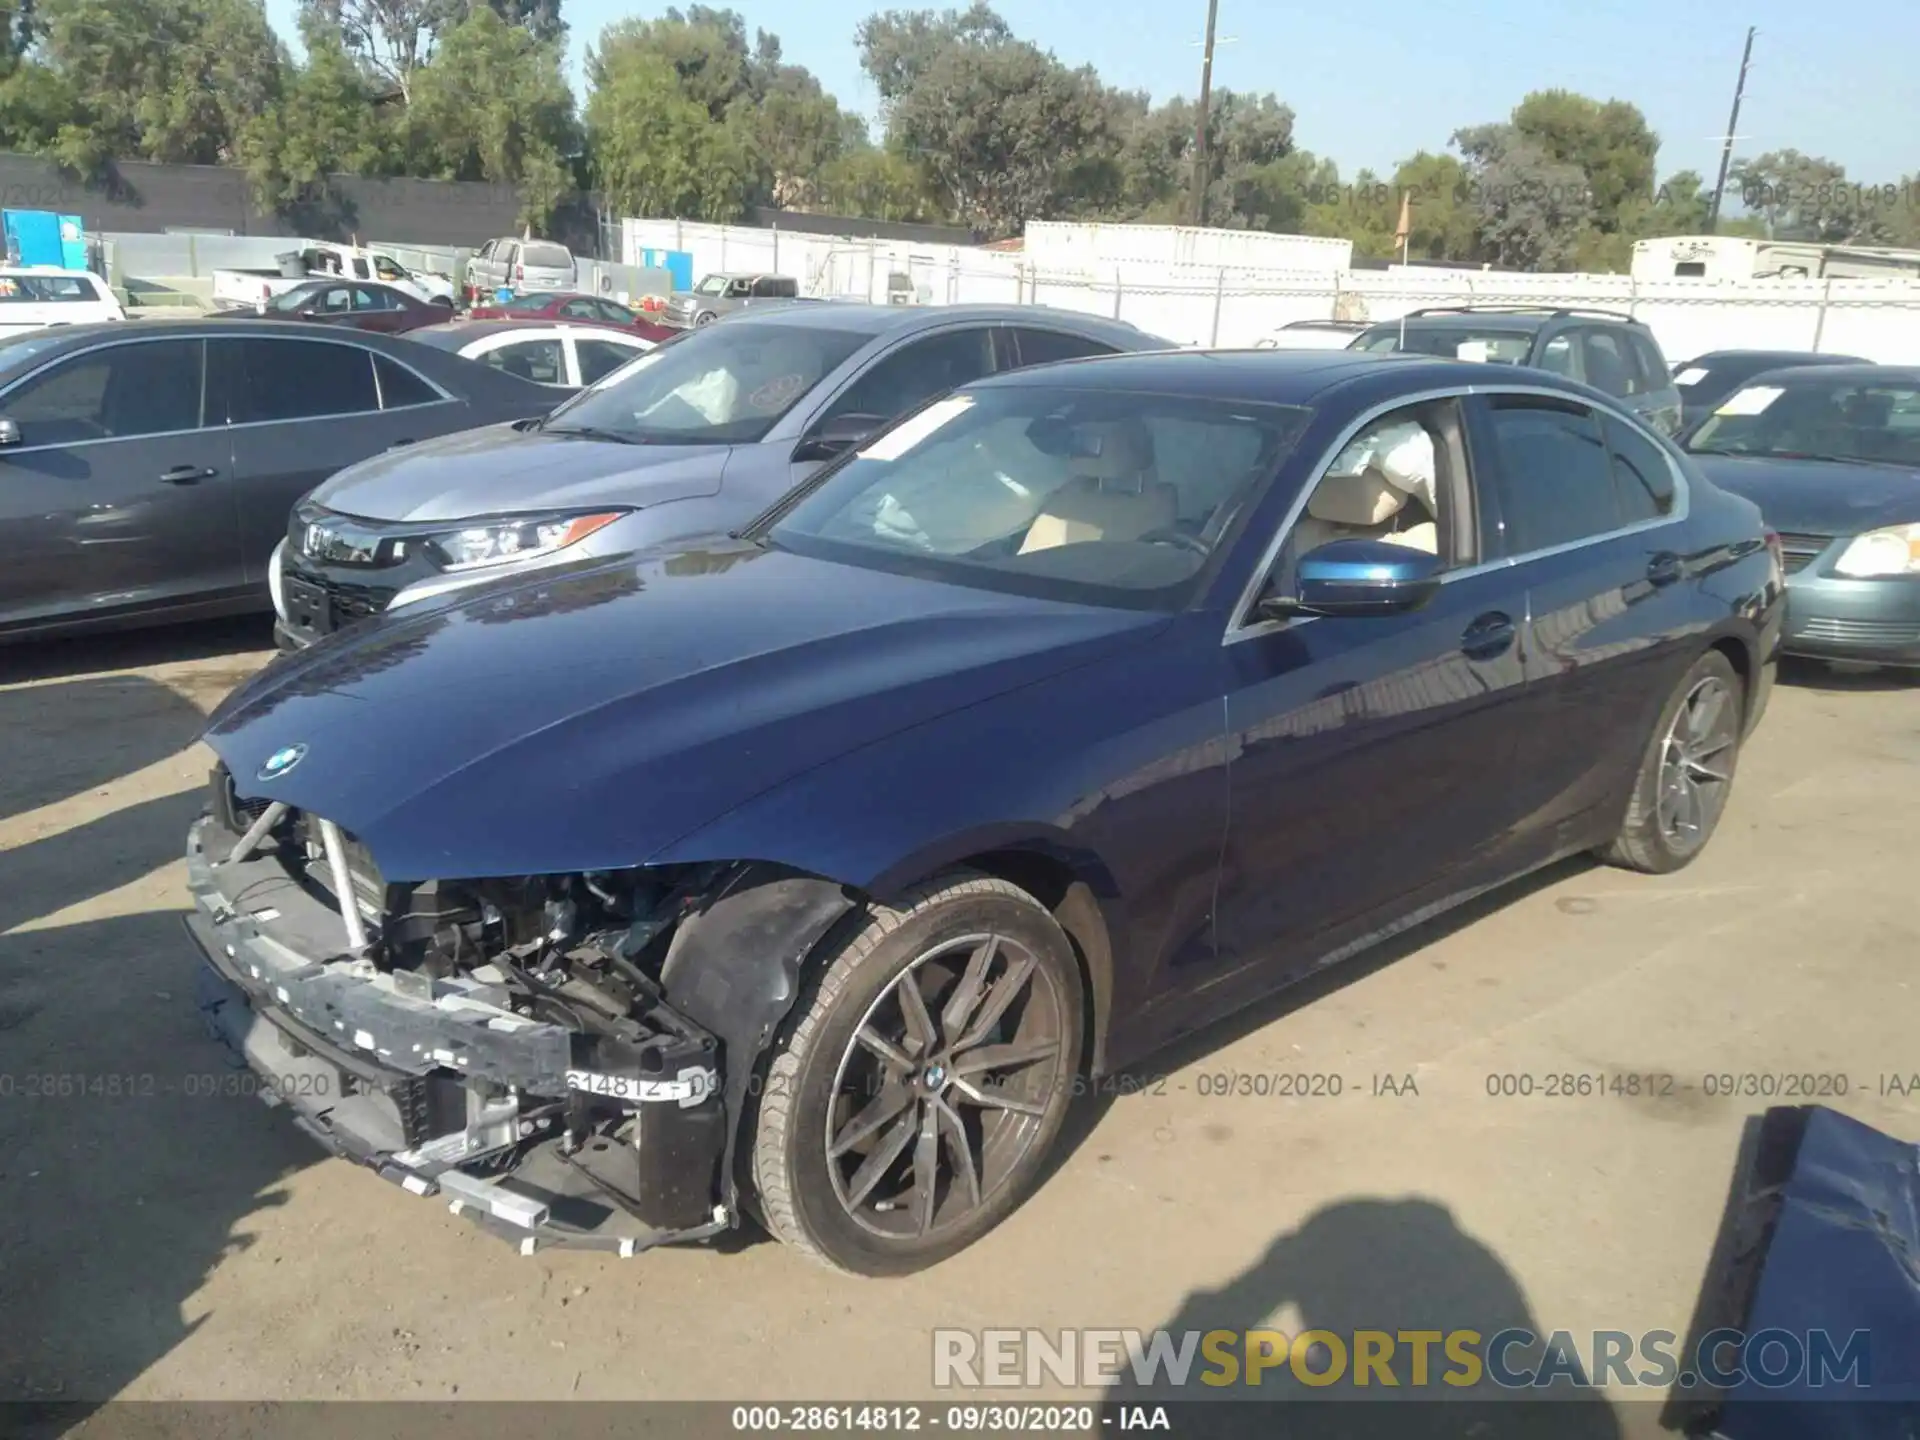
<point x="1729" y="257"/>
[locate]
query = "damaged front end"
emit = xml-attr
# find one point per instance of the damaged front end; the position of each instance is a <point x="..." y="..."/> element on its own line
<point x="546" y="1053"/>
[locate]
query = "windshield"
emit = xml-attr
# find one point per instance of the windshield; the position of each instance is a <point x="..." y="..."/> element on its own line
<point x="1871" y="422"/>
<point x="712" y="285"/>
<point x="19" y="351"/>
<point x="1451" y="342"/>
<point x="536" y="301"/>
<point x="728" y="385"/>
<point x="1096" y="496"/>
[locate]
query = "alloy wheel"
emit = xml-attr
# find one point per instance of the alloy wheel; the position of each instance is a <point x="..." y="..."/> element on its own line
<point x="945" y="1085"/>
<point x="1696" y="764"/>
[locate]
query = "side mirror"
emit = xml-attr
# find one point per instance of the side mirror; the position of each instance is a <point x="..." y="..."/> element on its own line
<point x="9" y="432"/>
<point x="1357" y="577"/>
<point x="839" y="435"/>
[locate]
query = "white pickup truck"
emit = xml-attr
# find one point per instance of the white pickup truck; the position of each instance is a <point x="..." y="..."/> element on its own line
<point x="251" y="289"/>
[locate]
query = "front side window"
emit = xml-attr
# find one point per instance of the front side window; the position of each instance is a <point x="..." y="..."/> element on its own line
<point x="542" y="361"/>
<point x="150" y="388"/>
<point x="580" y="310"/>
<point x="301" y="380"/>
<point x="712" y="285"/>
<point x="385" y="269"/>
<point x="370" y="299"/>
<point x="618" y="314"/>
<point x="1092" y="496"/>
<point x="1641" y="471"/>
<point x="1609" y="367"/>
<point x="907" y="378"/>
<point x="1557" y="355"/>
<point x="1869" y="423"/>
<point x="727" y="385"/>
<point x="297" y="298"/>
<point x="1556" y="475"/>
<point x="1391" y="483"/>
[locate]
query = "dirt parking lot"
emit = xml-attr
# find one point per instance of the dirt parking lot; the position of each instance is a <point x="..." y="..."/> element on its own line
<point x="163" y="1239"/>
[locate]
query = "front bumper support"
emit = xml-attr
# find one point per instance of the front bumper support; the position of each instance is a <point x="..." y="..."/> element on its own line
<point x="443" y="1094"/>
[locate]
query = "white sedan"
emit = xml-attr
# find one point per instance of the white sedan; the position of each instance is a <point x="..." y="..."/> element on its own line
<point x="567" y="356"/>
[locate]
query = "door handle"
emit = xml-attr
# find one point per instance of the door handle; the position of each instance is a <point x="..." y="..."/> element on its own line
<point x="187" y="475"/>
<point x="1489" y="636"/>
<point x="1664" y="568"/>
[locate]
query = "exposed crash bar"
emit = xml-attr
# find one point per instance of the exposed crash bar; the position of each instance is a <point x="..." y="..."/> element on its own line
<point x="256" y="832"/>
<point x="343" y="885"/>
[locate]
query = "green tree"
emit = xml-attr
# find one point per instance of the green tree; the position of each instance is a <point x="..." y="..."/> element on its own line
<point x="656" y="151"/>
<point x="1806" y="197"/>
<point x="395" y="39"/>
<point x="1609" y="142"/>
<point x="897" y="47"/>
<point x="877" y="184"/>
<point x="1531" y="211"/>
<point x="494" y="105"/>
<point x="329" y="122"/>
<point x="168" y="80"/>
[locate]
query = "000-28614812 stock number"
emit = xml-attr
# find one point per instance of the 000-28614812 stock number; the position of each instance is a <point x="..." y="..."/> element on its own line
<point x="71" y="1085"/>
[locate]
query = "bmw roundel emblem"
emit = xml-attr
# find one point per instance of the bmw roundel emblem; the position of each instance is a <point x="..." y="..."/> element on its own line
<point x="282" y="760"/>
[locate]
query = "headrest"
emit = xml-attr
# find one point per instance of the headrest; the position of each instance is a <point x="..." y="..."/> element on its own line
<point x="1123" y="450"/>
<point x="1363" y="499"/>
<point x="1401" y="454"/>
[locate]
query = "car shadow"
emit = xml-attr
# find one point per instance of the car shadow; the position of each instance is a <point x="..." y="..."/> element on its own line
<point x="1367" y="1264"/>
<point x="1817" y="676"/>
<point x="70" y="736"/>
<point x="63" y="658"/>
<point x="131" y="1159"/>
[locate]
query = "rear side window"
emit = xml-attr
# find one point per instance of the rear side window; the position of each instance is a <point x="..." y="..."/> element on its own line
<point x="301" y="380"/>
<point x="618" y="314"/>
<point x="1556" y="475"/>
<point x="1037" y="347"/>
<point x="542" y="361"/>
<point x="400" y="387"/>
<point x="1641" y="474"/>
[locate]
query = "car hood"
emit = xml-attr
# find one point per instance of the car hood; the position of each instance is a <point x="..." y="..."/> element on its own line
<point x="1819" y="497"/>
<point x="499" y="469"/>
<point x="588" y="718"/>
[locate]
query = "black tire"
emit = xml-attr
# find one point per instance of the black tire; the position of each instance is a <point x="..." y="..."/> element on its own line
<point x="705" y="317"/>
<point x="810" y="1082"/>
<point x="1649" y="841"/>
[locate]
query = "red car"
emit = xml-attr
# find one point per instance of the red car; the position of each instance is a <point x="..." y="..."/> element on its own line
<point x="357" y="304"/>
<point x="584" y="309"/>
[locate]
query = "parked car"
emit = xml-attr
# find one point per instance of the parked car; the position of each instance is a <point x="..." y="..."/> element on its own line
<point x="1706" y="380"/>
<point x="726" y="294"/>
<point x="519" y="267"/>
<point x="573" y="308"/>
<point x="698" y="437"/>
<point x="253" y="289"/>
<point x="355" y="304"/>
<point x="1312" y="335"/>
<point x="146" y="471"/>
<point x="1831" y="455"/>
<point x="33" y="297"/>
<point x="1612" y="352"/>
<point x="565" y="355"/>
<point x="1083" y="707"/>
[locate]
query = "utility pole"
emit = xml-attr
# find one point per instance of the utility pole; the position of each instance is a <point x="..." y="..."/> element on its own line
<point x="1200" y="167"/>
<point x="1726" y="148"/>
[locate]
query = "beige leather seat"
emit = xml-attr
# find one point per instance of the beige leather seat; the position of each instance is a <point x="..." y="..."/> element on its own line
<point x="1347" y="507"/>
<point x="1111" y="496"/>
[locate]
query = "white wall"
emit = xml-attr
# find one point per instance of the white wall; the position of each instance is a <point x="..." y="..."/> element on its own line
<point x="1203" y="305"/>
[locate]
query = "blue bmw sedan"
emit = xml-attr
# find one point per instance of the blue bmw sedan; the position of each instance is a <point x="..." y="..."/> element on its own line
<point x="807" y="876"/>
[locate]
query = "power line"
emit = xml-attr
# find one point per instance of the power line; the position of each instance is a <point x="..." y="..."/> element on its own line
<point x="1733" y="125"/>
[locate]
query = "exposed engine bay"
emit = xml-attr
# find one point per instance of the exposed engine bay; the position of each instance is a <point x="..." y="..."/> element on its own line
<point x="513" y="1044"/>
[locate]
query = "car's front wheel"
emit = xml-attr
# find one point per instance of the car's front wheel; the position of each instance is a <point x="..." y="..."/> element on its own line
<point x="910" y="1103"/>
<point x="1686" y="772"/>
<point x="705" y="317"/>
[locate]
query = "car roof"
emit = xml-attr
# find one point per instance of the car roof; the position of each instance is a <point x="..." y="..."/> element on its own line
<point x="1495" y="318"/>
<point x="1864" y="372"/>
<point x="857" y="315"/>
<point x="1277" y="377"/>
<point x="1805" y="358"/>
<point x="452" y="334"/>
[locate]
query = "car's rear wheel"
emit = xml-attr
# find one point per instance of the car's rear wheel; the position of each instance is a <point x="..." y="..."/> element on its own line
<point x="910" y="1103"/>
<point x="1686" y="774"/>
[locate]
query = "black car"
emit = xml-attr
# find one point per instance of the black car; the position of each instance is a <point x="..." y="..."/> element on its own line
<point x="146" y="472"/>
<point x="1706" y="380"/>
<point x="1612" y="352"/>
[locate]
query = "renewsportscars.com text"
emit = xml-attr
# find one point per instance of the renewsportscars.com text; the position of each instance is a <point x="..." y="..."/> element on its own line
<point x="1512" y="1359"/>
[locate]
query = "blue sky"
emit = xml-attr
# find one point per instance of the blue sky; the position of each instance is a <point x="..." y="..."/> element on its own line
<point x="1370" y="83"/>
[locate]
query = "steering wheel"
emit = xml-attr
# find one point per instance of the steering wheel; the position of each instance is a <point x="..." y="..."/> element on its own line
<point x="1170" y="536"/>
